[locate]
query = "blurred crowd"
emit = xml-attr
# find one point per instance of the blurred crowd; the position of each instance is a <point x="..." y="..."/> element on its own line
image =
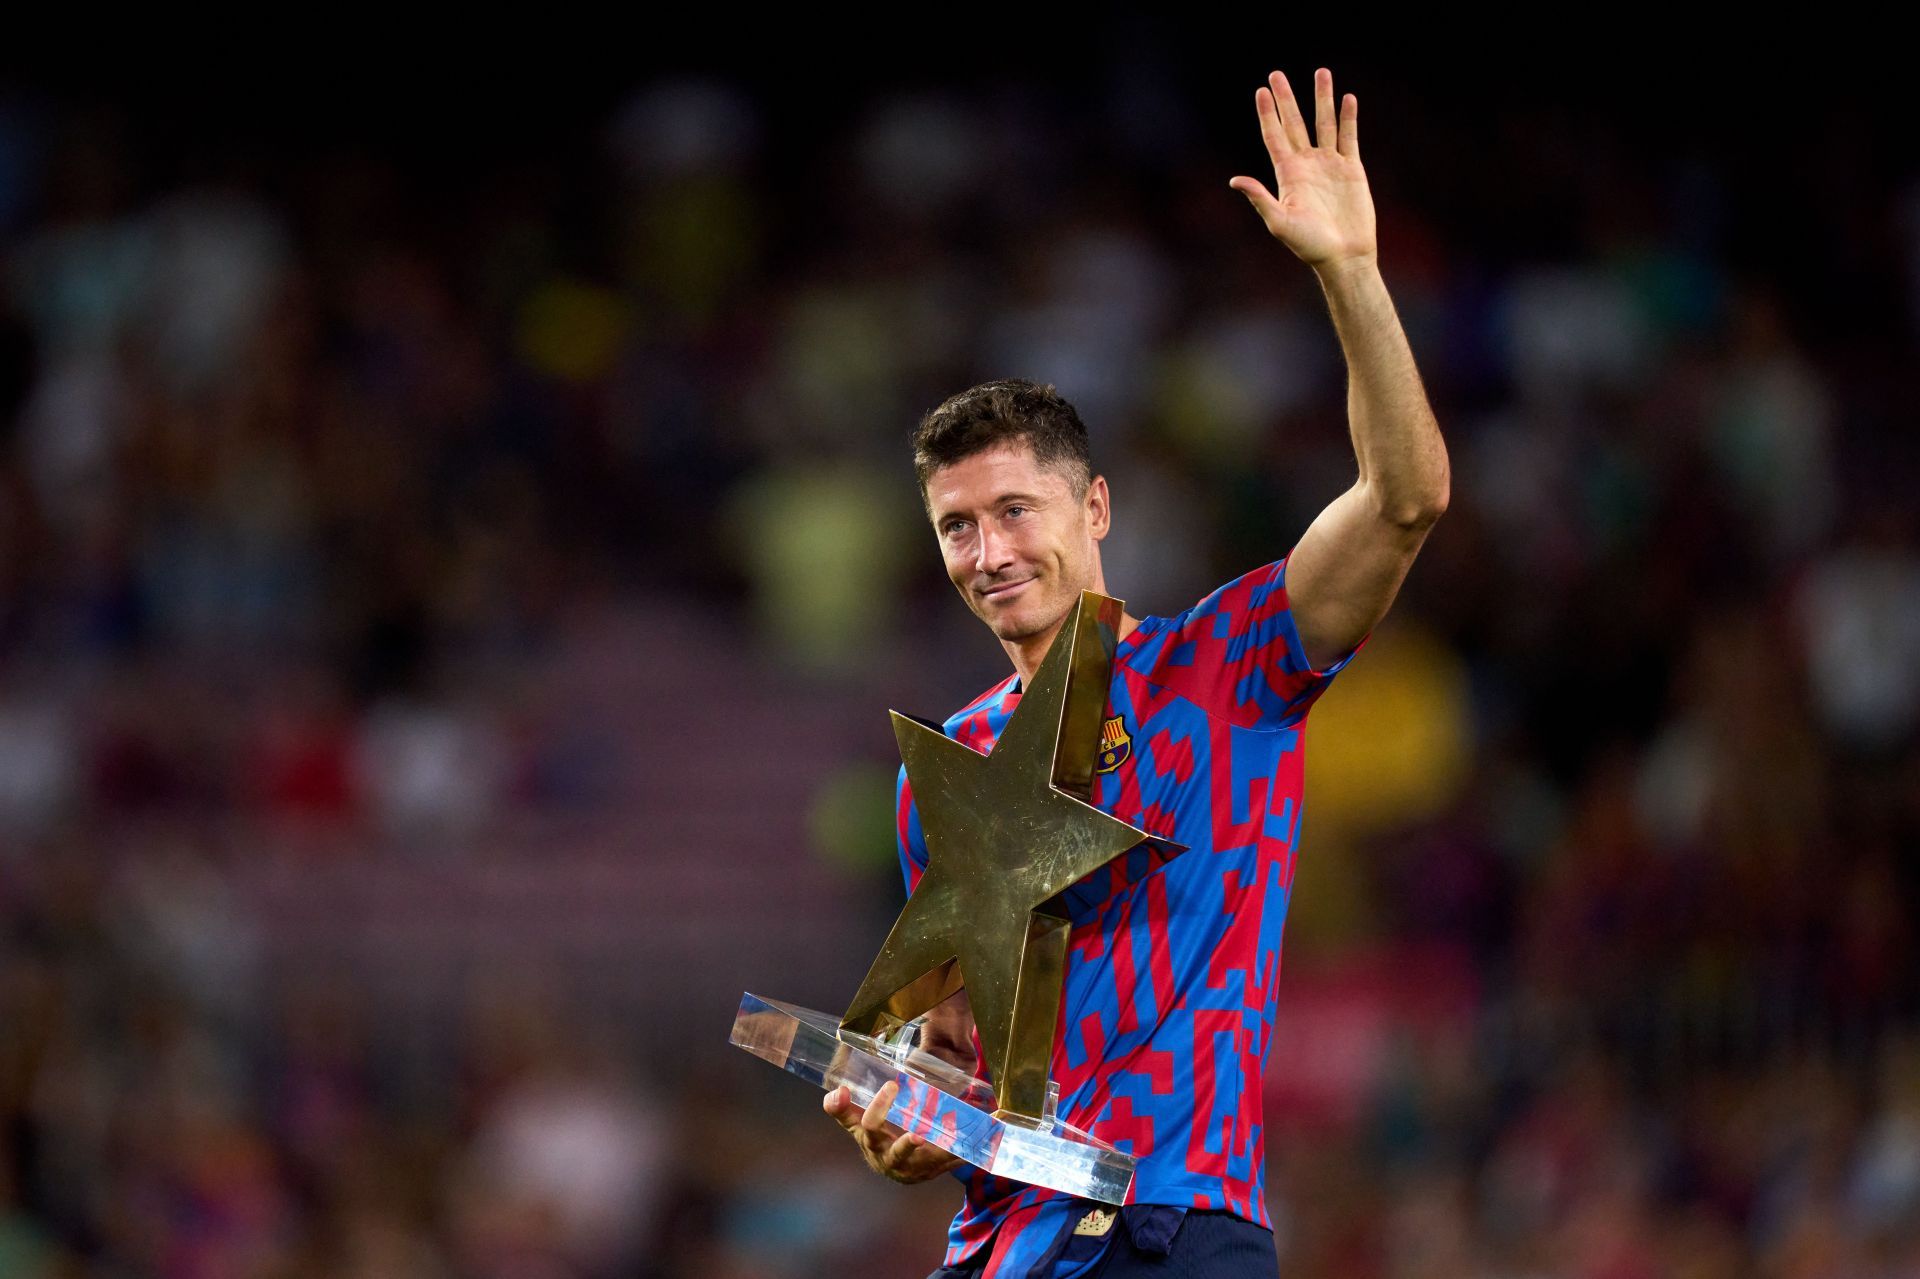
<point x="326" y="470"/>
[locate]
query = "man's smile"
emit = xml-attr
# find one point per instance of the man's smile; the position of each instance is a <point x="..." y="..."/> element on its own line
<point x="1003" y="590"/>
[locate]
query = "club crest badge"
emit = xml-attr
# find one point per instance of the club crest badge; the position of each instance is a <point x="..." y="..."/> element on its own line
<point x="1115" y="745"/>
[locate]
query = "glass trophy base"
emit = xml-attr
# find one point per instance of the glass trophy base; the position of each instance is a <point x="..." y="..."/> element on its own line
<point x="948" y="1107"/>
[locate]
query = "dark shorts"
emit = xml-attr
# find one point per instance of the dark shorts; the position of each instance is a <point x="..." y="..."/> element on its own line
<point x="1209" y="1244"/>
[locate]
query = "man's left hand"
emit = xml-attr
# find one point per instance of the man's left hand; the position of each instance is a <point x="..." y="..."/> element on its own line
<point x="1320" y="207"/>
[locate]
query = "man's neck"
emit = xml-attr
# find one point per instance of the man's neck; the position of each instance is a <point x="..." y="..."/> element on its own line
<point x="1027" y="654"/>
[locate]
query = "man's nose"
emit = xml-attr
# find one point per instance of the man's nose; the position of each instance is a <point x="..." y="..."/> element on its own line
<point x="995" y="552"/>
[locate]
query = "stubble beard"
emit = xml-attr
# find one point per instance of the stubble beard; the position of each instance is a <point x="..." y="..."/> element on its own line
<point x="1017" y="629"/>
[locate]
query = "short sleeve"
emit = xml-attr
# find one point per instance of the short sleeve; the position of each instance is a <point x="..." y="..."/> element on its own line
<point x="1237" y="654"/>
<point x="908" y="840"/>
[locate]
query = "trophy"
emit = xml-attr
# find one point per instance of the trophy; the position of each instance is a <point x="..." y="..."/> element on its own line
<point x="1007" y="833"/>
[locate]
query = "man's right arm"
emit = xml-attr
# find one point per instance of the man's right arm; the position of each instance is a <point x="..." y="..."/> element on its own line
<point x="948" y="1033"/>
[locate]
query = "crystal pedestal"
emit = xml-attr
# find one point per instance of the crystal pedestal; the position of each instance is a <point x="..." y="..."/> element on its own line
<point x="944" y="1105"/>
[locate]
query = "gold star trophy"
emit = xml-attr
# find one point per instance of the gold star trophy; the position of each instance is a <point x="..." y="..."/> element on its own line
<point x="1006" y="834"/>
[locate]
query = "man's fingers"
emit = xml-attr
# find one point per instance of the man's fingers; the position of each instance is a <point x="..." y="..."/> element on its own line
<point x="875" y="1120"/>
<point x="1257" y="195"/>
<point x="1290" y="120"/>
<point x="901" y="1156"/>
<point x="1350" y="127"/>
<point x="839" y="1103"/>
<point x="913" y="1158"/>
<point x="900" y="1152"/>
<point x="1270" y="127"/>
<point x="1325" y="127"/>
<point x="869" y="1126"/>
<point x="1252" y="188"/>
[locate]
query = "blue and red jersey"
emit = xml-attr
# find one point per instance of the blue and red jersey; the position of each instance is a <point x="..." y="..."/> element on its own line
<point x="1171" y="971"/>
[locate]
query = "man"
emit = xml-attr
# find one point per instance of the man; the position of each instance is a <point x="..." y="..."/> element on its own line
<point x="1170" y="984"/>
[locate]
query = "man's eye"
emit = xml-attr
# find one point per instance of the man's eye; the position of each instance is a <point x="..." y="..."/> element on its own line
<point x="1016" y="510"/>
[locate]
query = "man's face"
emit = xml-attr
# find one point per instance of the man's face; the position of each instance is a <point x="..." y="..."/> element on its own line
<point x="1019" y="545"/>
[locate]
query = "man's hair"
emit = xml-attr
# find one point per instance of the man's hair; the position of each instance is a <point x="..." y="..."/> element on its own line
<point x="993" y="413"/>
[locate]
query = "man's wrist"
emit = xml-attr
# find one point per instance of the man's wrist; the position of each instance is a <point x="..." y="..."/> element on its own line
<point x="1345" y="273"/>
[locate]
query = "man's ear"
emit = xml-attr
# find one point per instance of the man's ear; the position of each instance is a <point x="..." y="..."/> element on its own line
<point x="1099" y="513"/>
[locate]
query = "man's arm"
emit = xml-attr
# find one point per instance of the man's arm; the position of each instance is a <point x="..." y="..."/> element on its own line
<point x="1349" y="564"/>
<point x="948" y="1033"/>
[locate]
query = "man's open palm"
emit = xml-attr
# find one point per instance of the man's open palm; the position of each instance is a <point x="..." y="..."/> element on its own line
<point x="1320" y="206"/>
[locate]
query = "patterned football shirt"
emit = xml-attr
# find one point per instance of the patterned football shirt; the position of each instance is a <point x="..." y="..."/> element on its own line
<point x="1171" y="969"/>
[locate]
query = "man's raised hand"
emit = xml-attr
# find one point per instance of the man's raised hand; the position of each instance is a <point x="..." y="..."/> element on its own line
<point x="903" y="1157"/>
<point x="1320" y="206"/>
